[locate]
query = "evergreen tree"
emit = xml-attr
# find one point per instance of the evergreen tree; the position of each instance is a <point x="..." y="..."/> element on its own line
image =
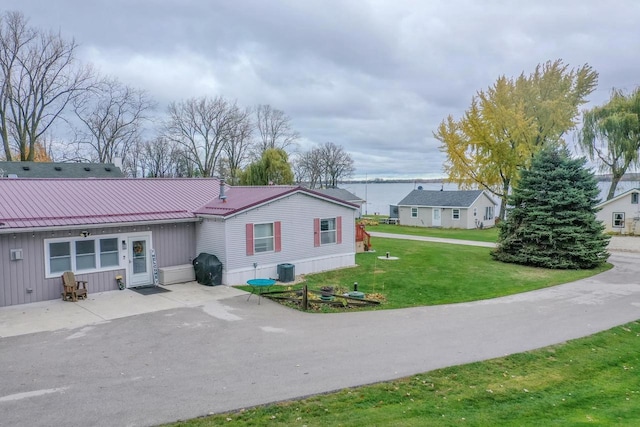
<point x="552" y="222"/>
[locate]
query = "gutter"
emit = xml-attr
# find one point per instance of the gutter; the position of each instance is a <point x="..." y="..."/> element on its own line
<point x="94" y="226"/>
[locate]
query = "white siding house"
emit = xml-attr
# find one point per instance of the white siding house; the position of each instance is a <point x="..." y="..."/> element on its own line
<point x="622" y="213"/>
<point x="300" y="227"/>
<point x="447" y="209"/>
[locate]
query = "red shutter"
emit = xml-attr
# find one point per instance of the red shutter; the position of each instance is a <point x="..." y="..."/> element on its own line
<point x="249" y="236"/>
<point x="277" y="227"/>
<point x="339" y="230"/>
<point x="316" y="232"/>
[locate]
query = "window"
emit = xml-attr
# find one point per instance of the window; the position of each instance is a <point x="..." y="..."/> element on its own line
<point x="618" y="219"/>
<point x="488" y="213"/>
<point x="327" y="231"/>
<point x="414" y="212"/>
<point x="475" y="211"/>
<point x="81" y="255"/>
<point x="263" y="237"/>
<point x="60" y="257"/>
<point x="109" y="252"/>
<point x="455" y="213"/>
<point x="634" y="198"/>
<point x="85" y="255"/>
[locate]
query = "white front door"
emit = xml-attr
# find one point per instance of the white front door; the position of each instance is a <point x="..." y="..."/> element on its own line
<point x="436" y="222"/>
<point x="140" y="272"/>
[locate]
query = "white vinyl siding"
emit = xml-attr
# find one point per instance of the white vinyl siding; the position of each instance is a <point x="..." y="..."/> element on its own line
<point x="297" y="214"/>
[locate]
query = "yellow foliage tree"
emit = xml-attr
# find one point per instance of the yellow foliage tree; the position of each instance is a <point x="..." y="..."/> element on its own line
<point x="510" y="122"/>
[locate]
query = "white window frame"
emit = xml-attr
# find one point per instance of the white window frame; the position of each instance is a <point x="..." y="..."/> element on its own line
<point x="328" y="236"/>
<point x="261" y="244"/>
<point x="72" y="253"/>
<point x="414" y="212"/>
<point x="455" y="214"/>
<point x="634" y="198"/>
<point x="619" y="221"/>
<point x="488" y="213"/>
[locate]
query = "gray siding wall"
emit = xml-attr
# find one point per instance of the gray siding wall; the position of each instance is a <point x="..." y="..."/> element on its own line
<point x="174" y="245"/>
<point x="296" y="213"/>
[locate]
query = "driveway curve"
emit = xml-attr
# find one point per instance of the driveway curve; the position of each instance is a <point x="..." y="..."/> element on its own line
<point x="233" y="353"/>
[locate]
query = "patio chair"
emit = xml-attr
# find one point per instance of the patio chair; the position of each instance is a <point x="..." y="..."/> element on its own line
<point x="73" y="289"/>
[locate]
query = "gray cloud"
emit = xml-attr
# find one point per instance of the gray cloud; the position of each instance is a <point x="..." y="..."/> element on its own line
<point x="376" y="77"/>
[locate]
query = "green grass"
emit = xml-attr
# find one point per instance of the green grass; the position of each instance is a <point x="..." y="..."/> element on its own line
<point x="429" y="273"/>
<point x="593" y="380"/>
<point x="484" y="235"/>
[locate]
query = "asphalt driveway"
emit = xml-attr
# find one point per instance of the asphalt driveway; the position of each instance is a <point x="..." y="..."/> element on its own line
<point x="230" y="353"/>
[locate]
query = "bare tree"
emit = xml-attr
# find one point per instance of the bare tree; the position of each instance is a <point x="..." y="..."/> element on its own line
<point x="202" y="126"/>
<point x="337" y="164"/>
<point x="39" y="76"/>
<point x="324" y="166"/>
<point x="274" y="129"/>
<point x="112" y="115"/>
<point x="308" y="168"/>
<point x="237" y="148"/>
<point x="160" y="157"/>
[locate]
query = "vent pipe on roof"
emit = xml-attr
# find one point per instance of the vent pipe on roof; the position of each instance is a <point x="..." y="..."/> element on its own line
<point x="222" y="195"/>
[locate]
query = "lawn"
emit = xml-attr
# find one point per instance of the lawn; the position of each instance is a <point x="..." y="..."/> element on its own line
<point x="478" y="235"/>
<point x="427" y="273"/>
<point x="592" y="380"/>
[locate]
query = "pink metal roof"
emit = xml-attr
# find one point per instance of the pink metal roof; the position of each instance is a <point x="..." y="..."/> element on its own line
<point x="241" y="198"/>
<point x="26" y="203"/>
<point x="34" y="203"/>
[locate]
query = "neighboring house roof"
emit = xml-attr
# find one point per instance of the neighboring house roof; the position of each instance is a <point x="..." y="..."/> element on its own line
<point x="36" y="203"/>
<point x="453" y="199"/>
<point x="59" y="170"/>
<point x="340" y="193"/>
<point x="239" y="199"/>
<point x="619" y="196"/>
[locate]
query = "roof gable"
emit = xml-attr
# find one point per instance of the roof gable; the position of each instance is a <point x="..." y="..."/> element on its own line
<point x="618" y="197"/>
<point x="456" y="199"/>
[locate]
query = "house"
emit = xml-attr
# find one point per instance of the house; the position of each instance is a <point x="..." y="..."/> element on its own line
<point x="137" y="228"/>
<point x="447" y="209"/>
<point x="59" y="170"/>
<point x="622" y="213"/>
<point x="342" y="194"/>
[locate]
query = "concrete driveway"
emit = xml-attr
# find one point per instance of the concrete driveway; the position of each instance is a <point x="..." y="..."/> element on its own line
<point x="227" y="353"/>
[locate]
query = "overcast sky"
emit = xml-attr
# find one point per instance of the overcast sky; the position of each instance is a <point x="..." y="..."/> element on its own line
<point x="375" y="77"/>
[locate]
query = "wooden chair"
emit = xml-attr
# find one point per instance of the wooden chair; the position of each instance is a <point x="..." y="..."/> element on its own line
<point x="72" y="288"/>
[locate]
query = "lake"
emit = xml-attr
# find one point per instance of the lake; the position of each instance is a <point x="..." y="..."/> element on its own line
<point x="379" y="195"/>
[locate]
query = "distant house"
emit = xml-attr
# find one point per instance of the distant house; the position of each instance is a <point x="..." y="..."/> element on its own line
<point x="622" y="213"/>
<point x="447" y="209"/>
<point x="59" y="170"/>
<point x="342" y="194"/>
<point x="103" y="228"/>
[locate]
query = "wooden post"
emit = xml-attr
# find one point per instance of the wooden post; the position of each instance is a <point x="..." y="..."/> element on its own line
<point x="305" y="304"/>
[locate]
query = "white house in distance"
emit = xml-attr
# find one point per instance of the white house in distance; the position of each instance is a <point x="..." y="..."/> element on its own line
<point x="447" y="209"/>
<point x="622" y="213"/>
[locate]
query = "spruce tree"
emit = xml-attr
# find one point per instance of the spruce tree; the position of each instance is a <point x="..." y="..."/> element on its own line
<point x="552" y="221"/>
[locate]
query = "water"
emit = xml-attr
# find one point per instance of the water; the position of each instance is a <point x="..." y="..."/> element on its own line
<point x="379" y="195"/>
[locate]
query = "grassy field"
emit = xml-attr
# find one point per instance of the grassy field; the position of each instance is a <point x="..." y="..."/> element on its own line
<point x="484" y="235"/>
<point x="593" y="380"/>
<point x="433" y="273"/>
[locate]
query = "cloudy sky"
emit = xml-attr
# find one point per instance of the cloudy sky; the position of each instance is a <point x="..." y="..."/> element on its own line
<point x="375" y="77"/>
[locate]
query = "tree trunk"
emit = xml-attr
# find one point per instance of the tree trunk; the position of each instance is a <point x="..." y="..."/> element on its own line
<point x="615" y="179"/>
